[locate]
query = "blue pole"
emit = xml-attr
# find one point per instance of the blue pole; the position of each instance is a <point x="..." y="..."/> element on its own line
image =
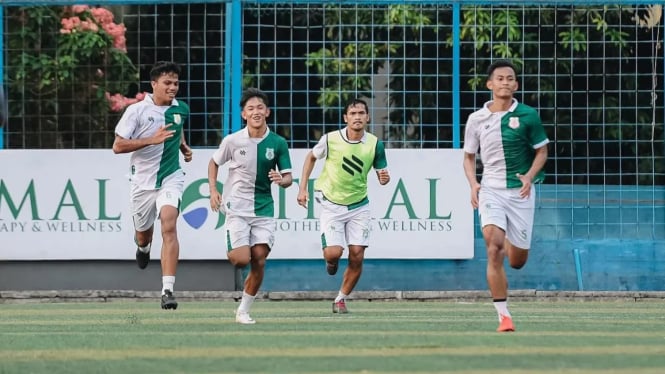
<point x="2" y="75"/>
<point x="226" y="103"/>
<point x="578" y="269"/>
<point x="456" y="76"/>
<point x="236" y="63"/>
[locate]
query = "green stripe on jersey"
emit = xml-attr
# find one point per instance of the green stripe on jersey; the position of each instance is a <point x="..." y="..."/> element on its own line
<point x="176" y="115"/>
<point x="272" y="153"/>
<point x="521" y="129"/>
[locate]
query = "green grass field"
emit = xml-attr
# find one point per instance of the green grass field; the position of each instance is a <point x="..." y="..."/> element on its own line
<point x="305" y="337"/>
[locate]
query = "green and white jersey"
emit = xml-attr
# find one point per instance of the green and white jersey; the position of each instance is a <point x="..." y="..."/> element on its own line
<point x="151" y="164"/>
<point x="507" y="142"/>
<point x="343" y="179"/>
<point x="247" y="190"/>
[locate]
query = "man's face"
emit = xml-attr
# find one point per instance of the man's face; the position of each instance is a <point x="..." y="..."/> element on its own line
<point x="165" y="88"/>
<point x="503" y="83"/>
<point x="356" y="117"/>
<point x="255" y="112"/>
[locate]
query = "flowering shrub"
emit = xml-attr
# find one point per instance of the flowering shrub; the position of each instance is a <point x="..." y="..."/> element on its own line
<point x="72" y="62"/>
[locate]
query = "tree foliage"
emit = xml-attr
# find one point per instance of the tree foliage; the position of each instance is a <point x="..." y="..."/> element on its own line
<point x="68" y="68"/>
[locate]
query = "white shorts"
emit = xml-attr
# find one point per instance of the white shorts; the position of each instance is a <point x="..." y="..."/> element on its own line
<point x="505" y="209"/>
<point x="341" y="226"/>
<point x="146" y="204"/>
<point x="240" y="231"/>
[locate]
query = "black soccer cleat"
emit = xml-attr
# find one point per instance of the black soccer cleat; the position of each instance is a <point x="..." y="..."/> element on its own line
<point x="142" y="258"/>
<point x="331" y="268"/>
<point x="168" y="301"/>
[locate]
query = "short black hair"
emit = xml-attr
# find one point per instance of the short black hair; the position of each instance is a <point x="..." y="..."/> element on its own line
<point x="500" y="64"/>
<point x="164" y="67"/>
<point x="253" y="92"/>
<point x="355" y="102"/>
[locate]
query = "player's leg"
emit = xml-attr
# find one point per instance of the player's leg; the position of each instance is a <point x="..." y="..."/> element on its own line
<point x="168" y="204"/>
<point x="357" y="234"/>
<point x="520" y="214"/>
<point x="236" y="240"/>
<point x="144" y="213"/>
<point x="332" y="233"/>
<point x="261" y="239"/>
<point x="493" y="222"/>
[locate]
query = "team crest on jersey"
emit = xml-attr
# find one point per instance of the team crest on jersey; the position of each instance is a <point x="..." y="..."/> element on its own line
<point x="177" y="118"/>
<point x="270" y="153"/>
<point x="514" y="122"/>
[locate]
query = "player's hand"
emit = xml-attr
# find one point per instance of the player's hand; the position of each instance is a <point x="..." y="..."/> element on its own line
<point x="384" y="176"/>
<point x="525" y="191"/>
<point x="162" y="134"/>
<point x="215" y="200"/>
<point x="303" y="198"/>
<point x="475" y="189"/>
<point x="275" y="176"/>
<point x="186" y="151"/>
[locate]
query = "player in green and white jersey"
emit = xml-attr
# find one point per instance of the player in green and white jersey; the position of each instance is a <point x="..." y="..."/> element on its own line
<point x="152" y="131"/>
<point x="257" y="158"/>
<point x="341" y="190"/>
<point x="513" y="152"/>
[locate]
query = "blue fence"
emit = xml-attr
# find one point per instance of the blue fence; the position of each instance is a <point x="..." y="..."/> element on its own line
<point x="601" y="216"/>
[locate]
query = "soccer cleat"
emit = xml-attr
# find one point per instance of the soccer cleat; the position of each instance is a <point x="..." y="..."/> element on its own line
<point x="339" y="307"/>
<point x="331" y="268"/>
<point x="142" y="258"/>
<point x="505" y="324"/>
<point x="168" y="301"/>
<point x="244" y="318"/>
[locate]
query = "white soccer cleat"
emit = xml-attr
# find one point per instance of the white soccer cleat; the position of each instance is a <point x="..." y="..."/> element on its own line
<point x="244" y="318"/>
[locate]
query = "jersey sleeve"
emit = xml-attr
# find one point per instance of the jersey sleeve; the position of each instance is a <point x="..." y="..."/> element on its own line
<point x="224" y="152"/>
<point x="320" y="150"/>
<point x="128" y="123"/>
<point x="471" y="141"/>
<point x="537" y="135"/>
<point x="380" y="161"/>
<point x="283" y="158"/>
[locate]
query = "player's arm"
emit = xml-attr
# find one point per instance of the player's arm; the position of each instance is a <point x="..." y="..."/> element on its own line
<point x="185" y="149"/>
<point x="307" y="167"/>
<point x="381" y="164"/>
<point x="283" y="180"/>
<point x="537" y="165"/>
<point x="215" y="197"/>
<point x="469" y="164"/>
<point x="124" y="145"/>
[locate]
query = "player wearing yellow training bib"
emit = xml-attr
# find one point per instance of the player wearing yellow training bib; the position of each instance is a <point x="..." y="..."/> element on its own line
<point x="341" y="190"/>
<point x="513" y="149"/>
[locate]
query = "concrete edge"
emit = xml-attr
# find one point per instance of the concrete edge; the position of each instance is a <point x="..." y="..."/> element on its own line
<point x="472" y="295"/>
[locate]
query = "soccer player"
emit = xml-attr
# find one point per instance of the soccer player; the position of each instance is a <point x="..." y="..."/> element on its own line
<point x="257" y="158"/>
<point x="513" y="151"/>
<point x="152" y="130"/>
<point x="341" y="190"/>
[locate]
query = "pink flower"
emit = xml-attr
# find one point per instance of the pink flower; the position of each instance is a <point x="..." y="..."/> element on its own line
<point x="102" y="15"/>
<point x="79" y="8"/>
<point x="89" y="25"/>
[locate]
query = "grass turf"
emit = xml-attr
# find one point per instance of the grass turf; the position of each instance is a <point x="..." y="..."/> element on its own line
<point x="305" y="337"/>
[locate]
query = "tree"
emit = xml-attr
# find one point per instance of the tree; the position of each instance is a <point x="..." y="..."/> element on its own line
<point x="67" y="73"/>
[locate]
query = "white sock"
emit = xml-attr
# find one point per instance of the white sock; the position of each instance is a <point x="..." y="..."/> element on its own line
<point x="168" y="281"/>
<point x="501" y="307"/>
<point x="340" y="296"/>
<point x="145" y="249"/>
<point x="246" y="302"/>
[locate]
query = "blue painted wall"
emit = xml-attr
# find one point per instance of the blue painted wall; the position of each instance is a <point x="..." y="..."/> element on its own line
<point x="619" y="233"/>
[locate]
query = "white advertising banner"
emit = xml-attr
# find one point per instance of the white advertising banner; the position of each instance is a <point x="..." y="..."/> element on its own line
<point x="74" y="204"/>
